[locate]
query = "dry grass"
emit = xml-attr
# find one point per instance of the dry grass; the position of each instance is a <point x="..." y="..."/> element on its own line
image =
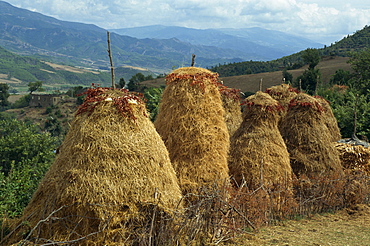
<point x="111" y="174"/>
<point x="192" y="125"/>
<point x="308" y="138"/>
<point x="258" y="154"/>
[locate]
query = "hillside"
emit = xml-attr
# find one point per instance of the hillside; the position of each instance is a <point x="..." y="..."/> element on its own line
<point x="352" y="43"/>
<point x="250" y="82"/>
<point x="27" y="32"/>
<point x="18" y="71"/>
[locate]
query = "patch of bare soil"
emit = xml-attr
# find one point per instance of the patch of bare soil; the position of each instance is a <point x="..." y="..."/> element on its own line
<point x="345" y="227"/>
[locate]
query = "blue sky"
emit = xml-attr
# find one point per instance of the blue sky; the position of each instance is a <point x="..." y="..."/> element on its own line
<point x="324" y="21"/>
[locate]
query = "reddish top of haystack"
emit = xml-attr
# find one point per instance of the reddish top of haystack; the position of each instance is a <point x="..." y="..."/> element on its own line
<point x="194" y="74"/>
<point x="122" y="99"/>
<point x="232" y="93"/>
<point x="305" y="101"/>
<point x="263" y="102"/>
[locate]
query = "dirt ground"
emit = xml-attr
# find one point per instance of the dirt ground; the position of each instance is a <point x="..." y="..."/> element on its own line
<point x="345" y="227"/>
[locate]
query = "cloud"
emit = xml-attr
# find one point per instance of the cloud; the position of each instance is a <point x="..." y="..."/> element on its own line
<point x="314" y="19"/>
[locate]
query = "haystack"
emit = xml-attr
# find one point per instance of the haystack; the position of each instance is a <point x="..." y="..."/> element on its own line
<point x="112" y="172"/>
<point x="231" y="103"/>
<point x="308" y="139"/>
<point x="258" y="154"/>
<point x="354" y="157"/>
<point x="282" y="93"/>
<point x="329" y="118"/>
<point x="191" y="123"/>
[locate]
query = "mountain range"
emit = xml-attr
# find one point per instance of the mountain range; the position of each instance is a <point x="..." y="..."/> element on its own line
<point x="157" y="48"/>
<point x="252" y="43"/>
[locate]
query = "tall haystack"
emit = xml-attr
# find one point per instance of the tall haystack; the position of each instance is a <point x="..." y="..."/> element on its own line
<point x="231" y="103"/>
<point x="308" y="139"/>
<point x="330" y="120"/>
<point x="191" y="123"/>
<point x="258" y="154"/>
<point x="112" y="171"/>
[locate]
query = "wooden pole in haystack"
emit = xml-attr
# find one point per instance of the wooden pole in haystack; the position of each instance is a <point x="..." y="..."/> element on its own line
<point x="193" y="60"/>
<point x="112" y="175"/>
<point x="261" y="84"/>
<point x="111" y="61"/>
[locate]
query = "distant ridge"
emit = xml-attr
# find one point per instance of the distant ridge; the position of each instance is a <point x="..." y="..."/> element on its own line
<point x="262" y="43"/>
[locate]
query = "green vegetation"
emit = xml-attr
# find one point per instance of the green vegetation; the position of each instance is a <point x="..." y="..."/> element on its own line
<point x="350" y="91"/>
<point x="29" y="69"/>
<point x="309" y="80"/>
<point x="4" y="94"/>
<point x="26" y="155"/>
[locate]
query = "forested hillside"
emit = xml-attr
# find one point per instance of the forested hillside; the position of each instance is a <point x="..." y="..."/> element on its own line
<point x="345" y="47"/>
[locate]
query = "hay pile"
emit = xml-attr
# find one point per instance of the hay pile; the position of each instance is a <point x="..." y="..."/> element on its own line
<point x="308" y="139"/>
<point x="191" y="123"/>
<point x="231" y="103"/>
<point x="111" y="172"/>
<point x="354" y="157"/>
<point x="282" y="93"/>
<point x="330" y="120"/>
<point x="258" y="154"/>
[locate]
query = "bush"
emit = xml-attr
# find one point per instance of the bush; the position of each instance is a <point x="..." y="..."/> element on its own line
<point x="25" y="156"/>
<point x="22" y="102"/>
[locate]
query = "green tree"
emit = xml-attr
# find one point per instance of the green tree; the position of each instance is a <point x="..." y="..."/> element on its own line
<point x="343" y="104"/>
<point x="311" y="57"/>
<point x="133" y="83"/>
<point x="35" y="86"/>
<point x="25" y="156"/>
<point x="309" y="80"/>
<point x="153" y="97"/>
<point x="121" y="83"/>
<point x="287" y="76"/>
<point x="341" y="77"/>
<point x="360" y="63"/>
<point x="4" y="94"/>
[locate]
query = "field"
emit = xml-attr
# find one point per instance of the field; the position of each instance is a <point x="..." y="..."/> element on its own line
<point x="251" y="82"/>
<point x="345" y="227"/>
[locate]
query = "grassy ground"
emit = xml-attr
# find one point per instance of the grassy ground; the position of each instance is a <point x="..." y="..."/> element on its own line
<point x="345" y="227"/>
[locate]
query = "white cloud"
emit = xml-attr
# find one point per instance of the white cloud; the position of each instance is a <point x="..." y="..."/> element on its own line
<point x="321" y="20"/>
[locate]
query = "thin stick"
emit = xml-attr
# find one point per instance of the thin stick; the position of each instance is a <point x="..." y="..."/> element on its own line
<point x="355" y="117"/>
<point x="261" y="84"/>
<point x="111" y="61"/>
<point x="193" y="60"/>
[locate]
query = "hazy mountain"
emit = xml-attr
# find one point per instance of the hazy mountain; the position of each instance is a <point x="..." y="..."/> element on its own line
<point x="261" y="43"/>
<point x="27" y="32"/>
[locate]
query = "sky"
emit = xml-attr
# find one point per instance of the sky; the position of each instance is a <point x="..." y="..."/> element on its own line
<point x="323" y="21"/>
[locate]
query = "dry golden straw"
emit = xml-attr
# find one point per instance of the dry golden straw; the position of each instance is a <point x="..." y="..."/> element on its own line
<point x="330" y="120"/>
<point x="308" y="138"/>
<point x="258" y="155"/>
<point x="191" y="123"/>
<point x="112" y="170"/>
<point x="231" y="103"/>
